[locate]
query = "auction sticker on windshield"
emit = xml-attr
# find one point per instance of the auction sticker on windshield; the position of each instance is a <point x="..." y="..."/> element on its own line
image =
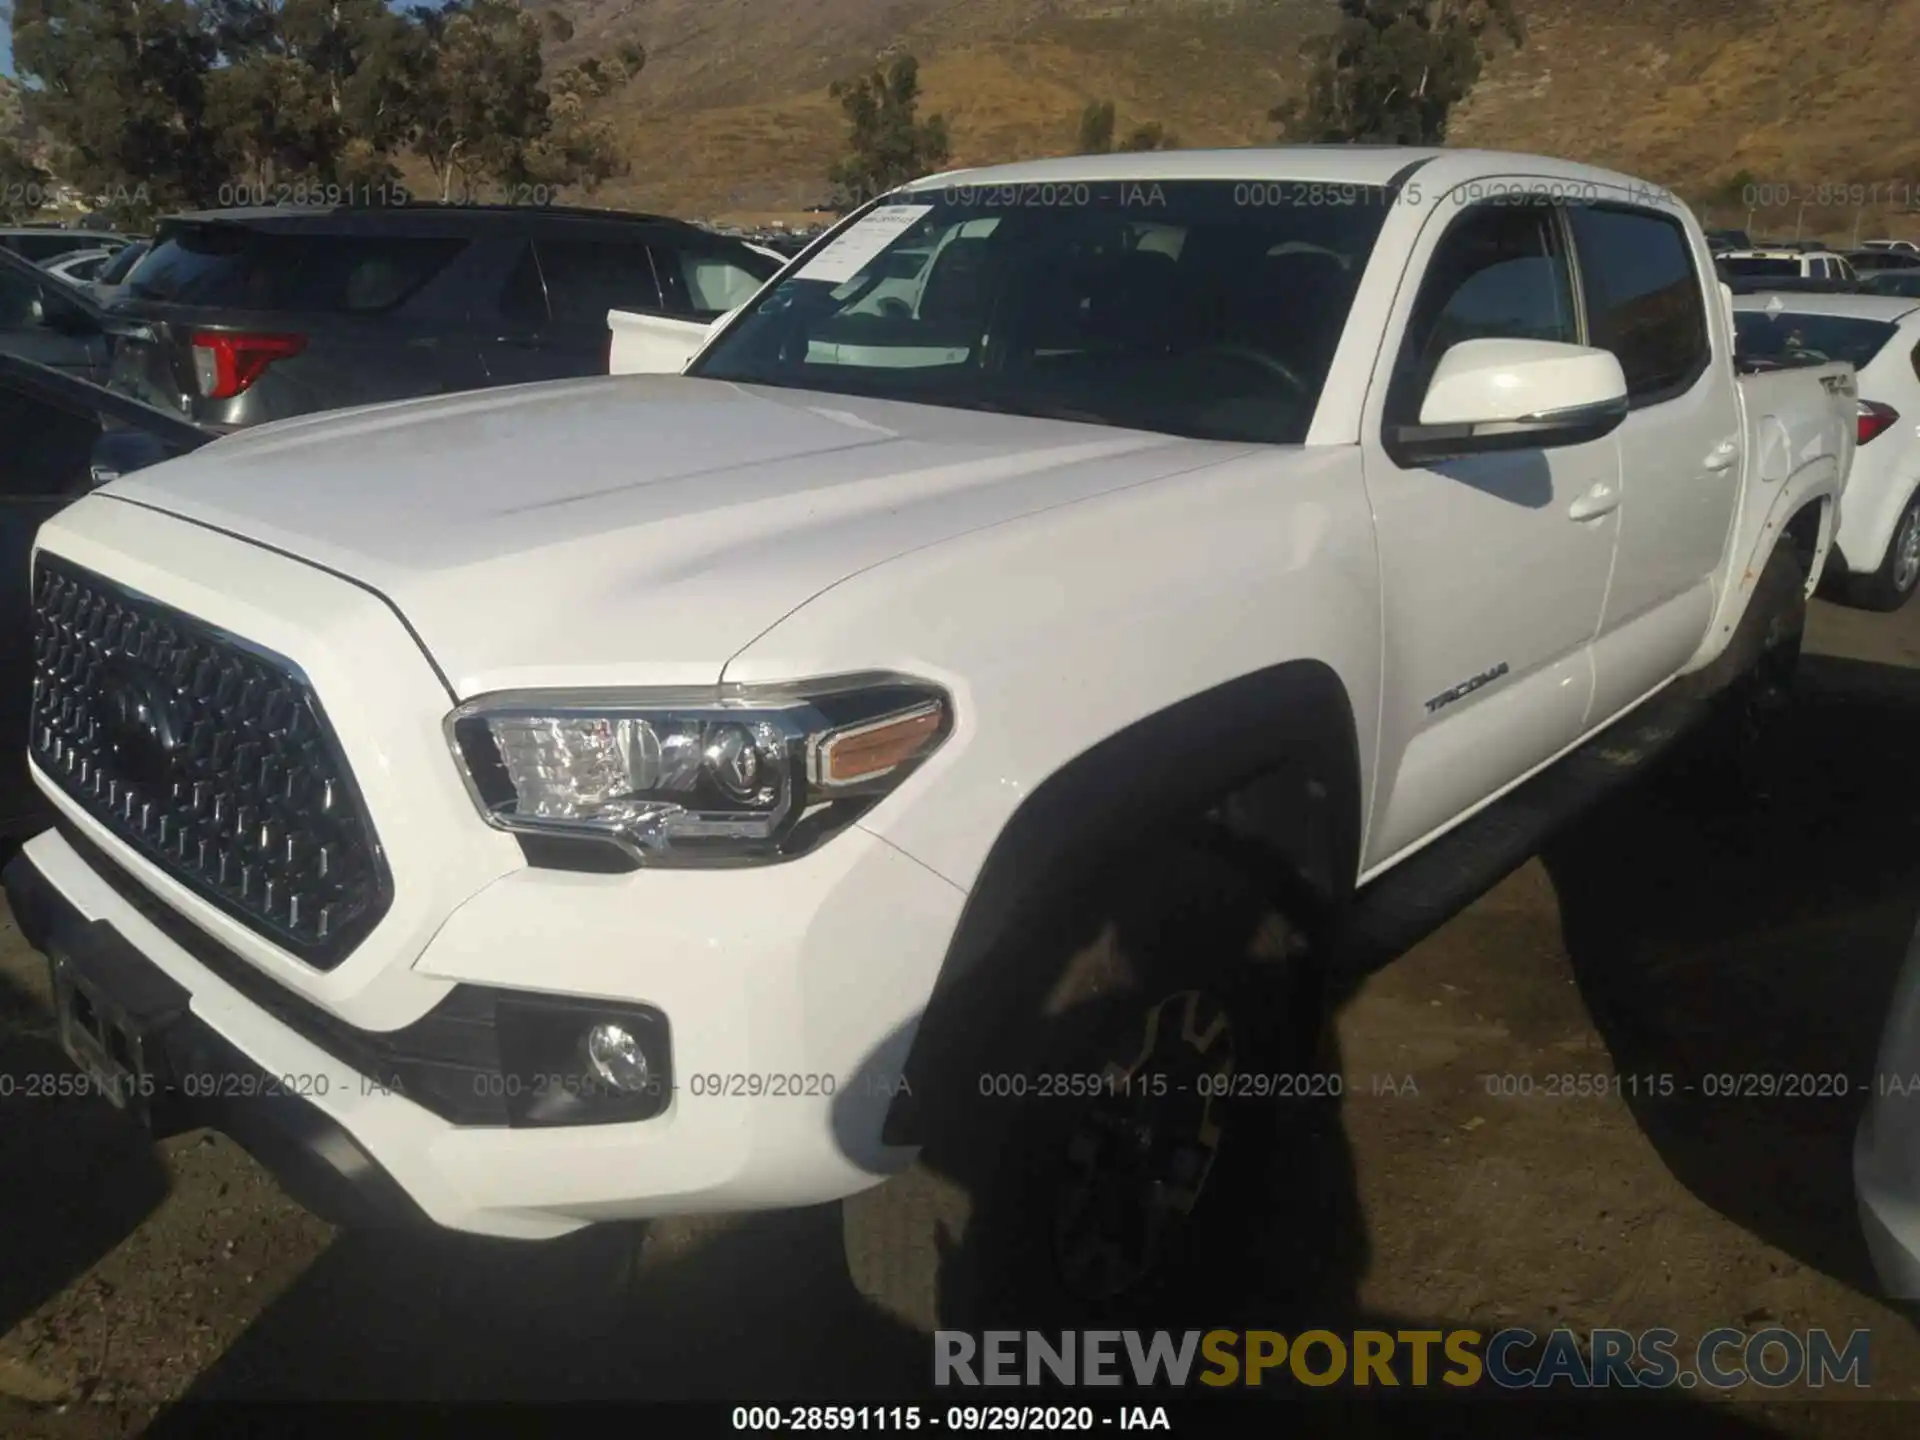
<point x="850" y="252"/>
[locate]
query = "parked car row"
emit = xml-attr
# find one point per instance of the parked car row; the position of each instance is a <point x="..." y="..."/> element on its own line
<point x="235" y="317"/>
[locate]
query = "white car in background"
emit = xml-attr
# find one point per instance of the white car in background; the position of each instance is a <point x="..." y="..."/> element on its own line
<point x="1875" y="562"/>
<point x="1786" y="264"/>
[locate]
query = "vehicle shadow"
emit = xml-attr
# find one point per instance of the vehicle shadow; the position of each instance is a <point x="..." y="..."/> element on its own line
<point x="1714" y="943"/>
<point x="737" y="1311"/>
<point x="76" y="1176"/>
<point x="762" y="1309"/>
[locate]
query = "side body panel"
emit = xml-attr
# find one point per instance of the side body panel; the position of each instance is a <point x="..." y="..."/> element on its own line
<point x="1492" y="594"/>
<point x="1073" y="625"/>
<point x="1800" y="432"/>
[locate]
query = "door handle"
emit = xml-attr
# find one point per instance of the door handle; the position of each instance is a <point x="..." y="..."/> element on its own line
<point x="1722" y="456"/>
<point x="1601" y="499"/>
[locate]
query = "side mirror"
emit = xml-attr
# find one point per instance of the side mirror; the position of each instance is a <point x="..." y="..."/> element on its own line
<point x="1489" y="395"/>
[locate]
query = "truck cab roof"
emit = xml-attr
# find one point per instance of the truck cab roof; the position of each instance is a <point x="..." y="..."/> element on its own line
<point x="1340" y="164"/>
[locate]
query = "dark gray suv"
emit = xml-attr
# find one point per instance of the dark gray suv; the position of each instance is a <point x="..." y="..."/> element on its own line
<point x="260" y="314"/>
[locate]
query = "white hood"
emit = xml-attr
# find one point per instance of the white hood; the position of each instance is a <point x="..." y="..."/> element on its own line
<point x="646" y="523"/>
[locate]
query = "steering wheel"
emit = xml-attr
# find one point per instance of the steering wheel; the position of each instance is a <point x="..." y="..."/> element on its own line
<point x="894" y="308"/>
<point x="1248" y="355"/>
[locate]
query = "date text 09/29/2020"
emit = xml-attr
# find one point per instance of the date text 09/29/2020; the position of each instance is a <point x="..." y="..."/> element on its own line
<point x="954" y="1419"/>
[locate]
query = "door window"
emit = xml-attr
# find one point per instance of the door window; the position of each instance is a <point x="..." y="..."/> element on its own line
<point x="306" y="271"/>
<point x="587" y="278"/>
<point x="523" y="299"/>
<point x="19" y="301"/>
<point x="1644" y="299"/>
<point x="717" y="283"/>
<point x="49" y="446"/>
<point x="1500" y="273"/>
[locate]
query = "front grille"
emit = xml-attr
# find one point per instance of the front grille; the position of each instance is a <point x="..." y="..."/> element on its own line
<point x="210" y="757"/>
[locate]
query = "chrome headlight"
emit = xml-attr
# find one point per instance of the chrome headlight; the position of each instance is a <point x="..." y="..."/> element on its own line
<point x="735" y="774"/>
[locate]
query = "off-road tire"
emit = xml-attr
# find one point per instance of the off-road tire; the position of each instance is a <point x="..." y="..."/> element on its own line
<point x="973" y="1236"/>
<point x="1733" y="756"/>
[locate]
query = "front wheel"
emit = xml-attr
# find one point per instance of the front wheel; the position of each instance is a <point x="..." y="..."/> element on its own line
<point x="1125" y="1129"/>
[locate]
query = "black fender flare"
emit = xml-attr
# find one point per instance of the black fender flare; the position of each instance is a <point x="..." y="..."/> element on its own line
<point x="1272" y="756"/>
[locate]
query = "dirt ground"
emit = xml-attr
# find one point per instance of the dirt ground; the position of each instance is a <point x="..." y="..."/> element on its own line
<point x="1650" y="940"/>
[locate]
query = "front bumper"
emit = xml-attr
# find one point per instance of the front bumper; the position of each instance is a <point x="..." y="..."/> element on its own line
<point x="316" y="1161"/>
<point x="792" y="1010"/>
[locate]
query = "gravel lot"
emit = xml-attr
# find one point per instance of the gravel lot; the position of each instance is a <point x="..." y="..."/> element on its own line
<point x="1650" y="940"/>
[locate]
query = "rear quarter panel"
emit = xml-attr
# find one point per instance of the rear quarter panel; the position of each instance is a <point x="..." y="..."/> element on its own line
<point x="1799" y="428"/>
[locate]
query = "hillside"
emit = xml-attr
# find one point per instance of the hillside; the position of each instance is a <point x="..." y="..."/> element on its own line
<point x="731" y="113"/>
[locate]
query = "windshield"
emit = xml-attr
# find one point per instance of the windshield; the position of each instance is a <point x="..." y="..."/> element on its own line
<point x="1750" y="265"/>
<point x="1788" y="338"/>
<point x="1895" y="282"/>
<point x="1208" y="309"/>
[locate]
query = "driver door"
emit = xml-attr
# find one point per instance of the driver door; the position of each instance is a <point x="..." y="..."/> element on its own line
<point x="1494" y="566"/>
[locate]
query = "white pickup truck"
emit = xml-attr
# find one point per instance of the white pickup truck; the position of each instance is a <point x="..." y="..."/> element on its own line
<point x="941" y="735"/>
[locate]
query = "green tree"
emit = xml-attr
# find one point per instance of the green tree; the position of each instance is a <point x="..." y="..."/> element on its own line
<point x="1096" y="128"/>
<point x="1393" y="70"/>
<point x="481" y="109"/>
<point x="120" y="88"/>
<point x="311" y="90"/>
<point x="1733" y="193"/>
<point x="888" y="143"/>
<point x="1154" y="136"/>
<point x="23" y="183"/>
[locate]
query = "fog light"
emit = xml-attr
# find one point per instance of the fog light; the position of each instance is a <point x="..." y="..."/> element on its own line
<point x="566" y="1061"/>
<point x="617" y="1059"/>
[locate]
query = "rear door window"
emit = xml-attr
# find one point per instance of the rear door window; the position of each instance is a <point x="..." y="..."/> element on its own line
<point x="1790" y="338"/>
<point x="523" y="298"/>
<point x="711" y="281"/>
<point x="1758" y="265"/>
<point x="44" y="247"/>
<point x="585" y="279"/>
<point x="1644" y="298"/>
<point x="237" y="267"/>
